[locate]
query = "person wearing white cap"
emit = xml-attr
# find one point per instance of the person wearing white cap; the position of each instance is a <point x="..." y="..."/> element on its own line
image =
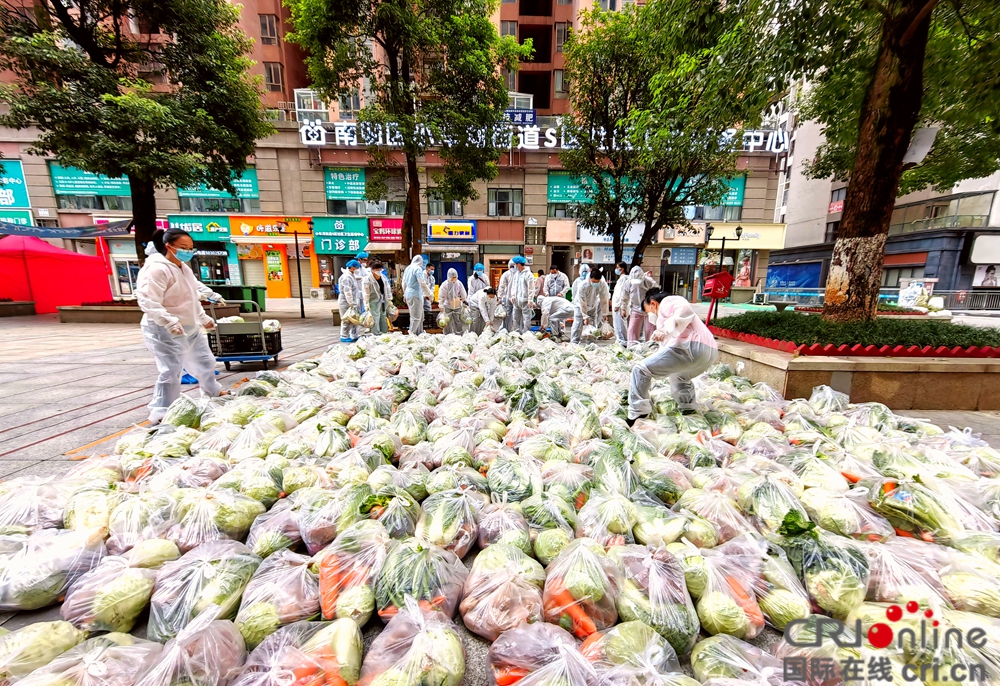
<point x="451" y="297"/>
<point x="619" y="308"/>
<point x="590" y="302"/>
<point x="414" y="291"/>
<point x="521" y="295"/>
<point x="503" y="294"/>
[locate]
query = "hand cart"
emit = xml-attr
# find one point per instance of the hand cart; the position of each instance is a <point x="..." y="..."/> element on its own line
<point x="246" y="342"/>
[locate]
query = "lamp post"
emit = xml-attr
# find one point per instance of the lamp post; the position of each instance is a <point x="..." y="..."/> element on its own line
<point x="709" y="230"/>
<point x="298" y="270"/>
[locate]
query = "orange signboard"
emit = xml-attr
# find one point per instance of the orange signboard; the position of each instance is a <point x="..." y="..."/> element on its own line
<point x="271" y="227"/>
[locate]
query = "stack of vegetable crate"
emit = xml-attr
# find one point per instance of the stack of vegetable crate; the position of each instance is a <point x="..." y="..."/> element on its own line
<point x="260" y="533"/>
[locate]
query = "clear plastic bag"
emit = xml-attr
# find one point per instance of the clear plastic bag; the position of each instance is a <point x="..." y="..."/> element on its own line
<point x="255" y="439"/>
<point x="213" y="574"/>
<point x="570" y="481"/>
<point x="205" y="516"/>
<point x="396" y="509"/>
<point x="767" y="500"/>
<point x="284" y="589"/>
<point x="656" y="524"/>
<point x="411" y="478"/>
<point x="514" y="478"/>
<point x="306" y="653"/>
<point x="110" y="597"/>
<point x="276" y="529"/>
<point x="347" y="571"/>
<point x="351" y="315"/>
<point x="36" y="570"/>
<point x="538" y="654"/>
<point x="503" y="590"/>
<point x="719" y="509"/>
<point x="580" y="588"/>
<point x="450" y="519"/>
<point x="34" y="646"/>
<point x="608" y="518"/>
<point x="431" y="575"/>
<point x="847" y="514"/>
<point x="654" y="592"/>
<point x="664" y="478"/>
<point x="416" y="647"/>
<point x="32" y="503"/>
<point x="111" y="660"/>
<point x="322" y="514"/>
<point x="633" y="654"/>
<point x="728" y="604"/>
<point x="504" y="523"/>
<point x="254" y="478"/>
<point x="207" y="652"/>
<point x="451" y="477"/>
<point x="726" y="657"/>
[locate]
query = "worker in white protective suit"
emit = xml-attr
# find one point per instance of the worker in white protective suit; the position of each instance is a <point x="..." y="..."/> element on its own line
<point x="429" y="280"/>
<point x="556" y="310"/>
<point x="503" y="294"/>
<point x="169" y="295"/>
<point x="590" y="302"/>
<point x="415" y="289"/>
<point x="639" y="284"/>
<point x="556" y="283"/>
<point x="377" y="295"/>
<point x="452" y="297"/>
<point x="485" y="306"/>
<point x="687" y="348"/>
<point x="350" y="297"/>
<point x="521" y="295"/>
<point x="619" y="306"/>
<point x="478" y="281"/>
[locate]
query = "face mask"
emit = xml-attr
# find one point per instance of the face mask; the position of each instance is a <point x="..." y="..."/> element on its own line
<point x="652" y="317"/>
<point x="618" y="272"/>
<point x="184" y="255"/>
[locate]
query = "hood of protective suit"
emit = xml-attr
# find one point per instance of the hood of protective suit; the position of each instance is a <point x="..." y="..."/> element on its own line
<point x="417" y="261"/>
<point x="675" y="315"/>
<point x="584" y="272"/>
<point x="637" y="275"/>
<point x="452" y="273"/>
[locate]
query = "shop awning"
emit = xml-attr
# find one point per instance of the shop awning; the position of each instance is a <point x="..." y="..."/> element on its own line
<point x="119" y="228"/>
<point x="383" y="247"/>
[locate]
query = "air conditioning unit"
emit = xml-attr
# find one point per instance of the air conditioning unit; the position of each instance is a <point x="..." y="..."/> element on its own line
<point x="317" y="294"/>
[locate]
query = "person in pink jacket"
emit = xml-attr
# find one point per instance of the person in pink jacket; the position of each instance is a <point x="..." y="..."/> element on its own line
<point x="687" y="348"/>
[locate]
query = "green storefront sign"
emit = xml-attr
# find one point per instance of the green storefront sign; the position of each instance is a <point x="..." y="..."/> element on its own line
<point x="19" y="217"/>
<point x="246" y="187"/>
<point x="202" y="227"/>
<point x="340" y="235"/>
<point x="13" y="187"/>
<point x="737" y="186"/>
<point x="344" y="183"/>
<point x="73" y="181"/>
<point x="566" y="188"/>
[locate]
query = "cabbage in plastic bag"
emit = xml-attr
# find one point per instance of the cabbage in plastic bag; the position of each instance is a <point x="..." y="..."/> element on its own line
<point x="207" y="652"/>
<point x="348" y="568"/>
<point x="315" y="652"/>
<point x="284" y="589"/>
<point x="504" y="590"/>
<point x="580" y="589"/>
<point x="450" y="519"/>
<point x="536" y="655"/>
<point x="430" y="574"/>
<point x="111" y="660"/>
<point x="34" y="646"/>
<point x="36" y="570"/>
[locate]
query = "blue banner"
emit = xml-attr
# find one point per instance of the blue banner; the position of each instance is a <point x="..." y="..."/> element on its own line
<point x="804" y="275"/>
<point x="121" y="228"/>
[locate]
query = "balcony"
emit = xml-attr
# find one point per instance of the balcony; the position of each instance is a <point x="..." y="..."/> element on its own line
<point x="959" y="221"/>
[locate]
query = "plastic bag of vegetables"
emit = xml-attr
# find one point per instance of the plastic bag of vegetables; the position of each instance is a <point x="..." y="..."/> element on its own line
<point x="450" y="519"/>
<point x="451" y="477"/>
<point x="914" y="509"/>
<point x="396" y="509"/>
<point x="284" y="589"/>
<point x="276" y="529"/>
<point x="657" y="524"/>
<point x="633" y="654"/>
<point x="306" y="653"/>
<point x="728" y="603"/>
<point x="91" y="507"/>
<point x="504" y="523"/>
<point x="726" y="657"/>
<point x="205" y="516"/>
<point x="146" y="516"/>
<point x="207" y="652"/>
<point x="718" y="508"/>
<point x="847" y="513"/>
<point x="347" y="571"/>
<point x="503" y="590"/>
<point x="257" y="437"/>
<point x="114" y="659"/>
<point x="580" y="588"/>
<point x="431" y="575"/>
<point x="766" y="500"/>
<point x="36" y="570"/>
<point x="514" y="478"/>
<point x="570" y="481"/>
<point x="322" y="514"/>
<point x="899" y="575"/>
<point x="608" y="518"/>
<point x="31" y="503"/>
<point x="410" y="427"/>
<point x="537" y="655"/>
<point x="664" y="478"/>
<point x="213" y="574"/>
<point x="255" y="478"/>
<point x="834" y="570"/>
<point x="411" y="478"/>
<point x="34" y="646"/>
<point x="653" y="591"/>
<point x="417" y="648"/>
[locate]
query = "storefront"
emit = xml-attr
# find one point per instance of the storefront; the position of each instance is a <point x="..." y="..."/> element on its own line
<point x="204" y="199"/>
<point x="81" y="195"/>
<point x="266" y="251"/>
<point x="451" y="244"/>
<point x="746" y="256"/>
<point x="15" y="205"/>
<point x="337" y="240"/>
<point x="216" y="261"/>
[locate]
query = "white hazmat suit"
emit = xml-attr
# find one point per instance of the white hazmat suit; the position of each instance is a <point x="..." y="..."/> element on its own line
<point x="451" y="297"/>
<point x="414" y="291"/>
<point x="590" y="305"/>
<point x="484" y="310"/>
<point x="350" y="296"/>
<point x="556" y="310"/>
<point x="521" y="294"/>
<point x="619" y="308"/>
<point x="503" y="295"/>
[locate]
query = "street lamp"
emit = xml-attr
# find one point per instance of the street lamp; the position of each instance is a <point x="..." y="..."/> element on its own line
<point x="709" y="230"/>
<point x="298" y="269"/>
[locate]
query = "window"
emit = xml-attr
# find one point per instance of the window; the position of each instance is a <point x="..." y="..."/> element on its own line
<point x="892" y="276"/>
<point x="534" y="235"/>
<point x="504" y="202"/>
<point x="273" y="77"/>
<point x="438" y="207"/>
<point x="95" y="202"/>
<point x="508" y="2"/>
<point x="309" y="107"/>
<point x="269" y="29"/>
<point x="520" y="101"/>
<point x="350" y="105"/>
<point x="562" y="84"/>
<point x="345" y="206"/>
<point x="510" y="79"/>
<point x="564" y="2"/>
<point x="508" y="28"/>
<point x="244" y="205"/>
<point x="838" y="195"/>
<point x="832" y="231"/>
<point x="609" y="5"/>
<point x="726" y="213"/>
<point x="560" y="35"/>
<point x="562" y="210"/>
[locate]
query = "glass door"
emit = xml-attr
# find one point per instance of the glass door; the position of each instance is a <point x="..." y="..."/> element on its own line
<point x="127" y="273"/>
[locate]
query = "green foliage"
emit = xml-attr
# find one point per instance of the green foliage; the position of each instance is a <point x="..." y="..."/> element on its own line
<point x="654" y="87"/>
<point x="959" y="79"/>
<point x="809" y="329"/>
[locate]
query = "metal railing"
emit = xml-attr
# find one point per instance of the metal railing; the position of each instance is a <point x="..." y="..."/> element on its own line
<point x="816" y="296"/>
<point x="946" y="222"/>
<point x="970" y="300"/>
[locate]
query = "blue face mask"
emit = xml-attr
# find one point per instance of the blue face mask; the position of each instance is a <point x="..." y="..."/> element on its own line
<point x="184" y="255"/>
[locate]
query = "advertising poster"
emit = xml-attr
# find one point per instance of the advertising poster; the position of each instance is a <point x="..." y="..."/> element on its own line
<point x="744" y="269"/>
<point x="272" y="262"/>
<point x="985" y="277"/>
<point x="805" y="275"/>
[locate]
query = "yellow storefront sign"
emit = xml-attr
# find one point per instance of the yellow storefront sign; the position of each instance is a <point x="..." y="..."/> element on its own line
<point x="451" y="232"/>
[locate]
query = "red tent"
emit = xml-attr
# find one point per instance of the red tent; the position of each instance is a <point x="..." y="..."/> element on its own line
<point x="31" y="269"/>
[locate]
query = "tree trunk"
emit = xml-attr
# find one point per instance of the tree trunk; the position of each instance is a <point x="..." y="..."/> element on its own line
<point x="648" y="234"/>
<point x="412" y="225"/>
<point x="143" y="213"/>
<point x="889" y="113"/>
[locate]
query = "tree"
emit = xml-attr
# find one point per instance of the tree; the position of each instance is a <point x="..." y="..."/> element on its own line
<point x="878" y="69"/>
<point x="173" y="105"/>
<point x="434" y="71"/>
<point x="654" y="90"/>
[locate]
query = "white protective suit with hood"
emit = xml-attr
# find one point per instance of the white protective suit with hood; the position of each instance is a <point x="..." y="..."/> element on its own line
<point x="377" y="294"/>
<point x="414" y="291"/>
<point x="556" y="284"/>
<point x="522" y="292"/>
<point x="687" y="348"/>
<point x="478" y="281"/>
<point x="503" y="295"/>
<point x="169" y="296"/>
<point x="590" y="303"/>
<point x="639" y="284"/>
<point x="451" y="297"/>
<point x="484" y="311"/>
<point x="619" y="308"/>
<point x="555" y="311"/>
<point x="350" y="296"/>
